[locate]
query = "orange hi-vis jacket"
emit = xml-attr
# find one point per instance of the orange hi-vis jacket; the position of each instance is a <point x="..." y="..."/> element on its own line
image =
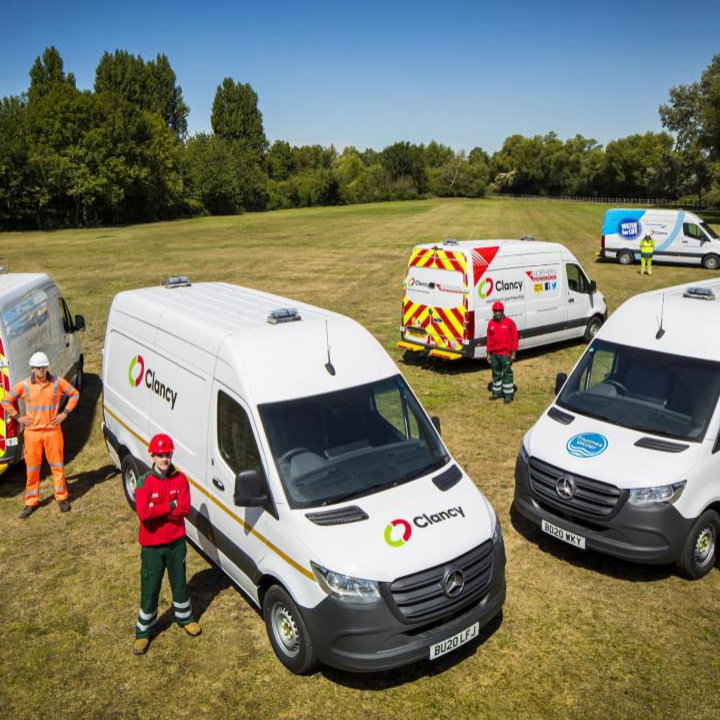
<point x="42" y="400"/>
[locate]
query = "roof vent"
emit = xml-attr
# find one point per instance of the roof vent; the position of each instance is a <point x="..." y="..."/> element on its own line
<point x="699" y="293"/>
<point x="283" y="315"/>
<point x="177" y="281"/>
<point x="450" y="241"/>
<point x="527" y="237"/>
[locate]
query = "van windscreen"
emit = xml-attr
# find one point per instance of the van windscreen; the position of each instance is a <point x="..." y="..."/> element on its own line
<point x="647" y="391"/>
<point x="350" y="443"/>
<point x="709" y="231"/>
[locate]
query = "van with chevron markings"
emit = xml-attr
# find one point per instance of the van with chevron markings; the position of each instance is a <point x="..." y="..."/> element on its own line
<point x="318" y="484"/>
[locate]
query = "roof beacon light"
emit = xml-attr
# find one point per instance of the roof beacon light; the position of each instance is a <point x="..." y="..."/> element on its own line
<point x="283" y="315"/>
<point x="527" y="237"/>
<point x="177" y="281"/>
<point x="699" y="293"/>
<point x="450" y="241"/>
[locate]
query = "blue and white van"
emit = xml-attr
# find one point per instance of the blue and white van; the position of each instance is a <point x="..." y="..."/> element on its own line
<point x="679" y="237"/>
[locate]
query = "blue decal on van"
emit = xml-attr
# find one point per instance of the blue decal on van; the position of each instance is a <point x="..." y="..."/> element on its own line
<point x="586" y="445"/>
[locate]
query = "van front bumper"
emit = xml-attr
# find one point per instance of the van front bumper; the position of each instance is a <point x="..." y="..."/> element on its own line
<point x="369" y="638"/>
<point x="651" y="534"/>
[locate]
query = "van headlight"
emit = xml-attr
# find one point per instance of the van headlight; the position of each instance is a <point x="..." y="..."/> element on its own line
<point x="659" y="494"/>
<point x="497" y="534"/>
<point x="346" y="588"/>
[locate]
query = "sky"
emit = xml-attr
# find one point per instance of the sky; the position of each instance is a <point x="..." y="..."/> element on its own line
<point x="368" y="74"/>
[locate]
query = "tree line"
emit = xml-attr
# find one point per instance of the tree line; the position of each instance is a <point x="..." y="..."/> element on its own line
<point x="121" y="154"/>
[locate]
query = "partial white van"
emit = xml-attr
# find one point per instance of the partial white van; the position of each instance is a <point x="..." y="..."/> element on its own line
<point x="679" y="236"/>
<point x="450" y="288"/>
<point x="318" y="483"/>
<point x="34" y="316"/>
<point x="627" y="459"/>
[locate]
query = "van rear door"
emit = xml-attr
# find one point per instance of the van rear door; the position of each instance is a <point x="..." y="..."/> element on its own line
<point x="435" y="301"/>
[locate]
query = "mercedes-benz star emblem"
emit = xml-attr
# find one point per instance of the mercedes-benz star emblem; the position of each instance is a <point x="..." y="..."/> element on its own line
<point x="565" y="487"/>
<point x="453" y="582"/>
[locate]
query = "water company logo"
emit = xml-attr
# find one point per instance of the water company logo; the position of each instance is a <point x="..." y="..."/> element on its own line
<point x="629" y="228"/>
<point x="485" y="288"/>
<point x="419" y="521"/>
<point x="586" y="445"/>
<point x="404" y="536"/>
<point x="137" y="370"/>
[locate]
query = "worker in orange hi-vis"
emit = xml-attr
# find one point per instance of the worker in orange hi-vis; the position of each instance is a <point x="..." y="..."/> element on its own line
<point x="43" y="394"/>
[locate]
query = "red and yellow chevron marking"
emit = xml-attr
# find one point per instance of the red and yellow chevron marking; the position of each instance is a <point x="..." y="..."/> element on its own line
<point x="441" y="326"/>
<point x="4" y="387"/>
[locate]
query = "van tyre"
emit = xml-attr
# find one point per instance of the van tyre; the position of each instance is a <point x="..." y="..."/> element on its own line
<point x="130" y="476"/>
<point x="699" y="554"/>
<point x="711" y="262"/>
<point x="625" y="257"/>
<point x="79" y="380"/>
<point x="594" y="324"/>
<point x="287" y="631"/>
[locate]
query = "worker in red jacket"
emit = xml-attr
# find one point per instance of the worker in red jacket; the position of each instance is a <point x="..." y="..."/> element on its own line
<point x="502" y="343"/>
<point x="162" y="501"/>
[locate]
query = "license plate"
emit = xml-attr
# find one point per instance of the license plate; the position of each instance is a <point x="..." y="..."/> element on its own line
<point x="452" y="643"/>
<point x="577" y="541"/>
<point x="417" y="332"/>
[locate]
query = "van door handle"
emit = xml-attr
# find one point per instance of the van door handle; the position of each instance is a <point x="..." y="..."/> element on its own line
<point x="571" y="300"/>
<point x="218" y="484"/>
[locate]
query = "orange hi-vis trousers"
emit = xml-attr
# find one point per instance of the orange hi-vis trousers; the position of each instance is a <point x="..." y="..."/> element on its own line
<point x="51" y="441"/>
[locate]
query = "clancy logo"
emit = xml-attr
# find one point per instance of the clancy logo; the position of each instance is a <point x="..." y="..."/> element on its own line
<point x="485" y="288"/>
<point x="406" y="532"/>
<point x="137" y="371"/>
<point x="135" y="375"/>
<point x="419" y="521"/>
<point x="586" y="445"/>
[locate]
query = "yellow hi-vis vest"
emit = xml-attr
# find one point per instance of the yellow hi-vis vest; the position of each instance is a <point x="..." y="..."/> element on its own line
<point x="647" y="245"/>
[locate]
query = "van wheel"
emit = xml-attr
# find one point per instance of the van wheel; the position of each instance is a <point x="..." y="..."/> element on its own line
<point x="79" y="380"/>
<point x="699" y="553"/>
<point x="130" y="476"/>
<point x="625" y="257"/>
<point x="711" y="262"/>
<point x="594" y="324"/>
<point x="287" y="631"/>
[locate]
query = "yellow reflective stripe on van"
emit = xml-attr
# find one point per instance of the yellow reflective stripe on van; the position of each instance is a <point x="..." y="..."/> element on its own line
<point x="4" y="383"/>
<point x="307" y="573"/>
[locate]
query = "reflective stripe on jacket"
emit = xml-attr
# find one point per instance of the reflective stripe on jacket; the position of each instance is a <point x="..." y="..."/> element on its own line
<point x="42" y="400"/>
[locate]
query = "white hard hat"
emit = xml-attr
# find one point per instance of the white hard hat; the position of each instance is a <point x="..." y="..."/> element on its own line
<point x="39" y="359"/>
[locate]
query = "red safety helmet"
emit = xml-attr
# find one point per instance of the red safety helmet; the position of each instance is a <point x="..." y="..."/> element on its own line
<point x="161" y="443"/>
<point x="497" y="305"/>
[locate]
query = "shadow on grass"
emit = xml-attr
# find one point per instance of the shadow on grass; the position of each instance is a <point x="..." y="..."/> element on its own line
<point x="204" y="587"/>
<point x="76" y="434"/>
<point x="410" y="673"/>
<point x="588" y="559"/>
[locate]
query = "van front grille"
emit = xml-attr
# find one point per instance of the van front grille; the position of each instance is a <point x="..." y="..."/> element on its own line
<point x="589" y="499"/>
<point x="422" y="597"/>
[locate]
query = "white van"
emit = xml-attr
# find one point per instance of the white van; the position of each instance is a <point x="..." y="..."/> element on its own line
<point x="627" y="459"/>
<point x="34" y="316"/>
<point x="450" y="287"/>
<point x="679" y="237"/>
<point x="318" y="483"/>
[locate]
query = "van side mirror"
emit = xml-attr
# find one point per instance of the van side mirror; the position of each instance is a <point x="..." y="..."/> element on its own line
<point x="250" y="489"/>
<point x="435" y="420"/>
<point x="79" y="322"/>
<point x="593" y="287"/>
<point x="560" y="379"/>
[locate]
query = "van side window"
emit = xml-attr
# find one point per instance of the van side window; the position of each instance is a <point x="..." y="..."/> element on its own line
<point x="236" y="441"/>
<point x="693" y="231"/>
<point x="67" y="322"/>
<point x="576" y="279"/>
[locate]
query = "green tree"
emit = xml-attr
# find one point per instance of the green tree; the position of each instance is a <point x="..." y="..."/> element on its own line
<point x="404" y="165"/>
<point x="235" y="116"/>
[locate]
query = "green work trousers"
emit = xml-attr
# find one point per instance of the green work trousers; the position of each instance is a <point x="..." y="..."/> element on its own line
<point x="153" y="561"/>
<point x="502" y="375"/>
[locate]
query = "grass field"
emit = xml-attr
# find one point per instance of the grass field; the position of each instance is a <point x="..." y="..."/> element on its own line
<point x="582" y="636"/>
